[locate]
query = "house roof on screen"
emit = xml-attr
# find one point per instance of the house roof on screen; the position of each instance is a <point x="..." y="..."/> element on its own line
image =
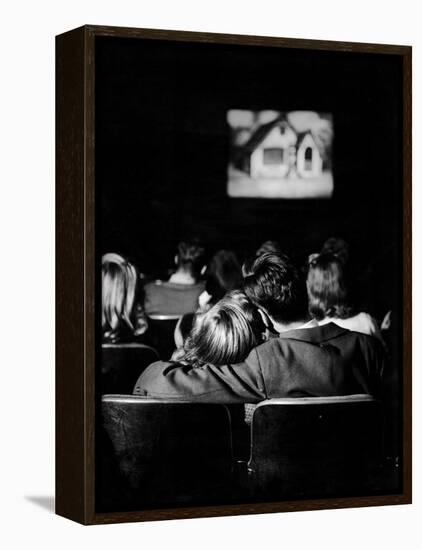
<point x="262" y="131"/>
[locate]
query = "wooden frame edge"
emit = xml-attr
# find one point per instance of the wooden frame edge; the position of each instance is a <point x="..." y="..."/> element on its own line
<point x="246" y="40"/>
<point x="70" y="374"/>
<point x="407" y="274"/>
<point x="249" y="509"/>
<point x="75" y="494"/>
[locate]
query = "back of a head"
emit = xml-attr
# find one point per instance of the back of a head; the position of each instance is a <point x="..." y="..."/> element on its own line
<point x="112" y="258"/>
<point x="338" y="247"/>
<point x="223" y="274"/>
<point x="273" y="283"/>
<point x="226" y="333"/>
<point x="269" y="247"/>
<point x="119" y="282"/>
<point x="328" y="287"/>
<point x="191" y="257"/>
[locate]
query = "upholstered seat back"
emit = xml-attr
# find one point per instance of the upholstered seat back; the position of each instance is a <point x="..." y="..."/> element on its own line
<point x="315" y="447"/>
<point x="161" y="334"/>
<point x="122" y="364"/>
<point x="169" y="453"/>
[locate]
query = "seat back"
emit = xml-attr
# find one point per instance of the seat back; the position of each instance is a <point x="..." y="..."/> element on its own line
<point x="122" y="364"/>
<point x="315" y="447"/>
<point x="161" y="334"/>
<point x="167" y="452"/>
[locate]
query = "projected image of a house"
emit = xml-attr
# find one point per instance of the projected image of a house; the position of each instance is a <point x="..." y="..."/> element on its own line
<point x="280" y="155"/>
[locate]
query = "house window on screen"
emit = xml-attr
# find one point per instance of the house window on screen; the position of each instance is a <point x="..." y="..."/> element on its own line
<point x="308" y="159"/>
<point x="273" y="156"/>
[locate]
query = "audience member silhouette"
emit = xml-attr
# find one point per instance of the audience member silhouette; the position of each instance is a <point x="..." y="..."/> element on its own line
<point x="338" y="247"/>
<point x="178" y="295"/>
<point x="226" y="333"/>
<point x="305" y="359"/>
<point x="223" y="274"/>
<point x="330" y="299"/>
<point x="122" y="315"/>
<point x="269" y="247"/>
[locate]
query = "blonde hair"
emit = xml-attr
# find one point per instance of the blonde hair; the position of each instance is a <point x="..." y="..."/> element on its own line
<point x="119" y="281"/>
<point x="226" y="333"/>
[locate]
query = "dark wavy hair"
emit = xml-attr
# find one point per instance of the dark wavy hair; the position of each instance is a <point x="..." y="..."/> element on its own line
<point x="272" y="282"/>
<point x="269" y="247"/>
<point x="338" y="247"/>
<point x="191" y="257"/>
<point x="328" y="287"/>
<point x="223" y="274"/>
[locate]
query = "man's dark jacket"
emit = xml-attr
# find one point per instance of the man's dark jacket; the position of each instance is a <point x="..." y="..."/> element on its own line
<point x="318" y="361"/>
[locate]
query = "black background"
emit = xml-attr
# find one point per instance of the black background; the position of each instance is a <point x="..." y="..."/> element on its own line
<point x="162" y="143"/>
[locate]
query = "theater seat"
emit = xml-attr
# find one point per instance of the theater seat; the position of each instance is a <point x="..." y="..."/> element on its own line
<point x="316" y="447"/>
<point x="167" y="453"/>
<point x="161" y="334"/>
<point x="122" y="364"/>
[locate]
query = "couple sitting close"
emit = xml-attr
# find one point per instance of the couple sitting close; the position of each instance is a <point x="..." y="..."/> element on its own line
<point x="259" y="343"/>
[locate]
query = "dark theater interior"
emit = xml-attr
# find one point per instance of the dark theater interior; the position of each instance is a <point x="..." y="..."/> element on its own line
<point x="162" y="152"/>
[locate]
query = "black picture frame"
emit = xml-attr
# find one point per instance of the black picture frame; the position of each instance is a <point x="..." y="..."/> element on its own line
<point x="77" y="212"/>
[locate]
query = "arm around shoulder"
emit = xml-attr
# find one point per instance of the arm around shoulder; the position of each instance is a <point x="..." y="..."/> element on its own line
<point x="237" y="383"/>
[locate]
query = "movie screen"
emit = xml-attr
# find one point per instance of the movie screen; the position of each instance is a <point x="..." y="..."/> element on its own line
<point x="279" y="154"/>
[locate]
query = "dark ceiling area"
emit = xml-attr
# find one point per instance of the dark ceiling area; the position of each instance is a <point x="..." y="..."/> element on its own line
<point x="162" y="145"/>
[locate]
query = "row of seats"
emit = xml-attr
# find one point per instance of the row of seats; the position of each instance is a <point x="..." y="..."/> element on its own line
<point x="161" y="334"/>
<point x="122" y="364"/>
<point x="164" y="453"/>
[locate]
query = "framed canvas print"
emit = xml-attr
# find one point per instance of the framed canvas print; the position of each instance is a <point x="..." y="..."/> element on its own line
<point x="233" y="274"/>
